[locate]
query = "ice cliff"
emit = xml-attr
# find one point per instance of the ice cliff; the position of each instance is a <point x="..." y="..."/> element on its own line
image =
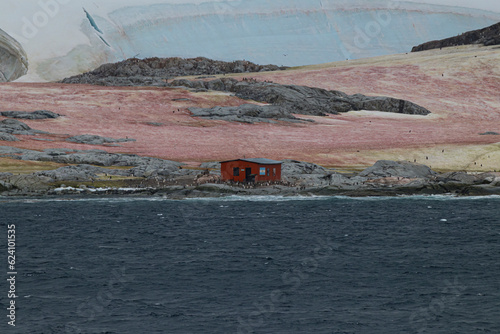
<point x="65" y="37"/>
<point x="13" y="59"/>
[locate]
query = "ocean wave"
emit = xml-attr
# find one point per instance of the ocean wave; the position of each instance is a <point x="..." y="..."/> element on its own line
<point x="274" y="198"/>
<point x="251" y="198"/>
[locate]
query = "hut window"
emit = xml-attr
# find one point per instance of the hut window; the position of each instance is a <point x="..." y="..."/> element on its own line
<point x="268" y="172"/>
<point x="236" y="171"/>
<point x="262" y="171"/>
<point x="274" y="171"/>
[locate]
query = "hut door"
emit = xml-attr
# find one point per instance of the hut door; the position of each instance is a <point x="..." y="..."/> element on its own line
<point x="248" y="175"/>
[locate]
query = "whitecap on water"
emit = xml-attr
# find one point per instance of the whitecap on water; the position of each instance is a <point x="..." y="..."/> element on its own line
<point x="257" y="198"/>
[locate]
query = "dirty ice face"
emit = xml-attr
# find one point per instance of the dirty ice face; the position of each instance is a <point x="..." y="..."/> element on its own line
<point x="67" y="37"/>
<point x="13" y="59"/>
<point x="489" y="5"/>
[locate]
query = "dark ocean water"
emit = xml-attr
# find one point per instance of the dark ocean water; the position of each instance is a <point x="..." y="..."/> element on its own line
<point x="336" y="265"/>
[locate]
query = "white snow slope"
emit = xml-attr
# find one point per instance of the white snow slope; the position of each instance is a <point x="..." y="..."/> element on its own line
<point x="67" y="37"/>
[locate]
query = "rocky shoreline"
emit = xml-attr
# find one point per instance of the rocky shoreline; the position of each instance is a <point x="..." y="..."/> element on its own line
<point x="98" y="173"/>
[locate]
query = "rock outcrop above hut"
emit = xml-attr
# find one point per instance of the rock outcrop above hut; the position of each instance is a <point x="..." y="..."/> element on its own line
<point x="487" y="36"/>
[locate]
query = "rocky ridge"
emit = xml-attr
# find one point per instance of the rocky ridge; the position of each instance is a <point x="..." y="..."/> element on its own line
<point x="97" y="140"/>
<point x="154" y="71"/>
<point x="286" y="100"/>
<point x="14" y="127"/>
<point x="10" y="127"/>
<point x="38" y="114"/>
<point x="91" y="157"/>
<point x="486" y="36"/>
<point x="245" y="113"/>
<point x="292" y="99"/>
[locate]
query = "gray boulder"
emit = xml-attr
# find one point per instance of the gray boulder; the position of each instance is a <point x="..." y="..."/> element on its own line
<point x="104" y="171"/>
<point x="7" y="137"/>
<point x="29" y="183"/>
<point x="156" y="168"/>
<point x="16" y="127"/>
<point x="68" y="173"/>
<point x="38" y="114"/>
<point x="96" y="140"/>
<point x="460" y="177"/>
<point x="306" y="174"/>
<point x="135" y="160"/>
<point x="81" y="173"/>
<point x="246" y="113"/>
<point x="316" y="180"/>
<point x="90" y="158"/>
<point x="36" y="156"/>
<point x="59" y="151"/>
<point x="211" y="165"/>
<point x="496" y="182"/>
<point x="387" y="104"/>
<point x="185" y="172"/>
<point x="294" y="167"/>
<point x="4" y="186"/>
<point x="14" y="152"/>
<point x="388" y="168"/>
<point x="13" y="126"/>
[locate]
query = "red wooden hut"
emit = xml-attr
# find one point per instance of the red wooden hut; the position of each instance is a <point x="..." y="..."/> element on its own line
<point x="251" y="170"/>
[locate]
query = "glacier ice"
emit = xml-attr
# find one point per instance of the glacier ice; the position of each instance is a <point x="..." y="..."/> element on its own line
<point x="65" y="37"/>
<point x="13" y="59"/>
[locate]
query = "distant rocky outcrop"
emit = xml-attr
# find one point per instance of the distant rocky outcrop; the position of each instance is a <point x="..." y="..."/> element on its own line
<point x="487" y="36"/>
<point x="96" y="140"/>
<point x="13" y="59"/>
<point x="38" y="114"/>
<point x="303" y="100"/>
<point x="132" y="71"/>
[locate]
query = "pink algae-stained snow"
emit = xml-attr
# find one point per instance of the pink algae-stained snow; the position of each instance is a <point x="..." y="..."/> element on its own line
<point x="461" y="93"/>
